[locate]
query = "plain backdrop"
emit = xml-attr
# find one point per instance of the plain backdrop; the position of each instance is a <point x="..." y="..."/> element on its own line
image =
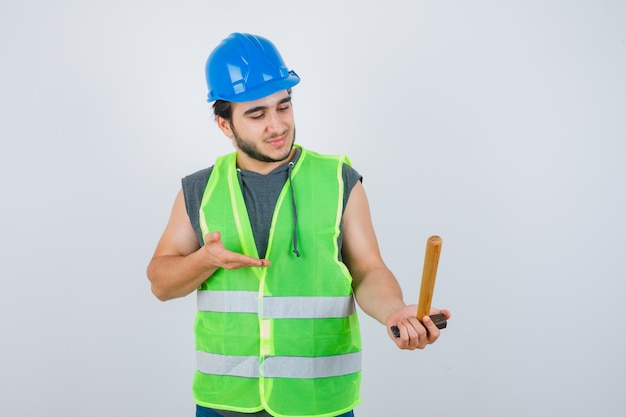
<point x="498" y="125"/>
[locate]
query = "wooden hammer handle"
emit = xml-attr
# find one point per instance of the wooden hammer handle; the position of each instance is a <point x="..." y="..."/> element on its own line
<point x="429" y="274"/>
<point x="431" y="262"/>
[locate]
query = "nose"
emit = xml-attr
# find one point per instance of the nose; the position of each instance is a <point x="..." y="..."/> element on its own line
<point x="274" y="122"/>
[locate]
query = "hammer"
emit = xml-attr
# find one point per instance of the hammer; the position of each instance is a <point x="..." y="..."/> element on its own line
<point x="429" y="274"/>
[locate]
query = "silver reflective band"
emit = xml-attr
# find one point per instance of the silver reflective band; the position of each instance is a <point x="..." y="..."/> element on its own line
<point x="279" y="366"/>
<point x="211" y="363"/>
<point x="307" y="307"/>
<point x="276" y="307"/>
<point x="228" y="301"/>
<point x="322" y="367"/>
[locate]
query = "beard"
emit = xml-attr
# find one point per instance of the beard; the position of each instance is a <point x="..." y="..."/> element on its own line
<point x="252" y="150"/>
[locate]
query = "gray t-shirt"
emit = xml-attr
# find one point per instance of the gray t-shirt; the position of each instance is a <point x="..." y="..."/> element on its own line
<point x="260" y="193"/>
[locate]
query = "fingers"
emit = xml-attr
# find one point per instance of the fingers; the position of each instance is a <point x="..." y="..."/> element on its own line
<point x="221" y="257"/>
<point x="409" y="333"/>
<point x="432" y="331"/>
<point x="212" y="237"/>
<point x="233" y="260"/>
<point x="413" y="335"/>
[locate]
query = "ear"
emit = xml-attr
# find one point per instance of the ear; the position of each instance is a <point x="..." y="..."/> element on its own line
<point x="224" y="126"/>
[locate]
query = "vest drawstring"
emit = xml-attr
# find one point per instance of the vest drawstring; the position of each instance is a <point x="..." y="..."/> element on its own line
<point x="295" y="215"/>
<point x="240" y="179"/>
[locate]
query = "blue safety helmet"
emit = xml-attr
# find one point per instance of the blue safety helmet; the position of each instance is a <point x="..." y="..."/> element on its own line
<point x="246" y="67"/>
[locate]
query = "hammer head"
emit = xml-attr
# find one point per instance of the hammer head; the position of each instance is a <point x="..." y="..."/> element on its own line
<point x="439" y="319"/>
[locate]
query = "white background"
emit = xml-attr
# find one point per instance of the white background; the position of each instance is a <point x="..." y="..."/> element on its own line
<point x="498" y="125"/>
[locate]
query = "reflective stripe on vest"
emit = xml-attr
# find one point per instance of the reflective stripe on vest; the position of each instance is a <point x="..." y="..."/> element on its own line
<point x="319" y="367"/>
<point x="276" y="307"/>
<point x="279" y="366"/>
<point x="242" y="366"/>
<point x="228" y="301"/>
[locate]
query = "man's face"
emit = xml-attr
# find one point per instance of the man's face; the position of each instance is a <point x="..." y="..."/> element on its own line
<point x="262" y="130"/>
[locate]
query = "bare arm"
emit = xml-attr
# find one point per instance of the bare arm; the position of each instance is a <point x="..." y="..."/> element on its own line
<point x="375" y="287"/>
<point x="179" y="265"/>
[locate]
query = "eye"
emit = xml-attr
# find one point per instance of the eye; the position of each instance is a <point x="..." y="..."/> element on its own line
<point x="257" y="116"/>
<point x="284" y="107"/>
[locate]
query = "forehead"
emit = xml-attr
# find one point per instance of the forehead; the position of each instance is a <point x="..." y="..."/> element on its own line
<point x="265" y="102"/>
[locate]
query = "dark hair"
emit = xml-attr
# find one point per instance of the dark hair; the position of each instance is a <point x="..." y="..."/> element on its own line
<point x="224" y="109"/>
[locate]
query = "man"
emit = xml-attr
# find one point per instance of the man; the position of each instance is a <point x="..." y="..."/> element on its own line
<point x="277" y="241"/>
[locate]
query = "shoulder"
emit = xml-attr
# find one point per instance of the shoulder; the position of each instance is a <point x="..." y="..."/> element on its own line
<point x="201" y="176"/>
<point x="193" y="188"/>
<point x="351" y="175"/>
<point x="350" y="178"/>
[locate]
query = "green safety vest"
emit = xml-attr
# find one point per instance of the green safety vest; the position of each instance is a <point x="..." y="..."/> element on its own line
<point x="283" y="338"/>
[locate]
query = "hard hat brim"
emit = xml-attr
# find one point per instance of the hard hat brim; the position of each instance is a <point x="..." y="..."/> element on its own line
<point x="260" y="91"/>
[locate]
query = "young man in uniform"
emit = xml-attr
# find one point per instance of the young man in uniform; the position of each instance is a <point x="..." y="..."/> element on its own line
<point x="277" y="242"/>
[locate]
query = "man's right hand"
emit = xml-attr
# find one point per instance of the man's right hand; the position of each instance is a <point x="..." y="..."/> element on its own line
<point x="179" y="265"/>
<point x="221" y="257"/>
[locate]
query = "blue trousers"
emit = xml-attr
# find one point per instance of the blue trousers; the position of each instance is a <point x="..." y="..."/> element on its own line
<point x="207" y="412"/>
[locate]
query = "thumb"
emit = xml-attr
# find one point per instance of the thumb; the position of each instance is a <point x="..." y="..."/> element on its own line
<point x="212" y="237"/>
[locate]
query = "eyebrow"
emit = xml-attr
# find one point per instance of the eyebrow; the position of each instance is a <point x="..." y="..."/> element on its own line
<point x="260" y="108"/>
